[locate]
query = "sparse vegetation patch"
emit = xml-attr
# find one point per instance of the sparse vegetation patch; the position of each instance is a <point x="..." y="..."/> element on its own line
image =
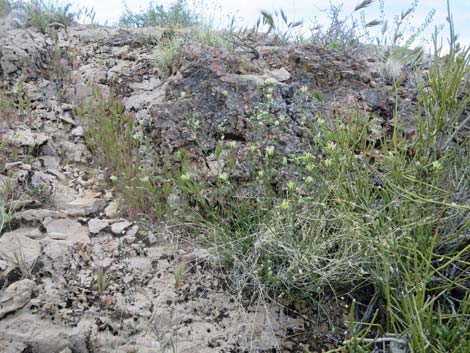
<point x="332" y="184"/>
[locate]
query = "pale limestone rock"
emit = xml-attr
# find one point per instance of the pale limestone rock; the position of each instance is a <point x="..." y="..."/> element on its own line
<point x="84" y="206"/>
<point x="19" y="250"/>
<point x="280" y="75"/>
<point x="67" y="230"/>
<point x="120" y="227"/>
<point x="16" y="296"/>
<point x="111" y="211"/>
<point x="96" y="225"/>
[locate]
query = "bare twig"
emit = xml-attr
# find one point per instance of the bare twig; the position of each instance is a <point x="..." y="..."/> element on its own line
<point x="242" y="43"/>
<point x="369" y="311"/>
<point x="455" y="133"/>
<point x="380" y="340"/>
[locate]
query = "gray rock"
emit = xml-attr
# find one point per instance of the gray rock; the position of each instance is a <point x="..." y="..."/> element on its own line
<point x="78" y="131"/>
<point x="57" y="255"/>
<point x="57" y="174"/>
<point x="48" y="149"/>
<point x="63" y="195"/>
<point x="67" y="118"/>
<point x="40" y="92"/>
<point x="74" y="152"/>
<point x="120" y="227"/>
<point x="50" y="162"/>
<point x="36" y="216"/>
<point x="20" y="48"/>
<point x="43" y="181"/>
<point x="17" y="205"/>
<point x="148" y="85"/>
<point x="111" y="211"/>
<point x="30" y="232"/>
<point x="96" y="225"/>
<point x="19" y="250"/>
<point x="16" y="296"/>
<point x="67" y="230"/>
<point x="42" y="336"/>
<point x="84" y="206"/>
<point x="280" y="75"/>
<point x="25" y="138"/>
<point x="12" y="347"/>
<point x="21" y="175"/>
<point x="12" y="165"/>
<point x="3" y="265"/>
<point x="141" y="305"/>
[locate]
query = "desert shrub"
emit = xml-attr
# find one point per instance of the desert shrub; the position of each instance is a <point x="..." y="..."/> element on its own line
<point x="397" y="45"/>
<point x="113" y="138"/>
<point x="184" y="27"/>
<point x="200" y="34"/>
<point x="344" y="31"/>
<point x="176" y="15"/>
<point x="109" y="132"/>
<point x="40" y="14"/>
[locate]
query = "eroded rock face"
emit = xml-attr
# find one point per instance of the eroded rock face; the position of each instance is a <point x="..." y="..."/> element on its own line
<point x="220" y="99"/>
<point x="21" y="51"/>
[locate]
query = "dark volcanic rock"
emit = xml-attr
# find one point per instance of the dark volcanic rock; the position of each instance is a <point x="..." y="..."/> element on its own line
<point x="220" y="96"/>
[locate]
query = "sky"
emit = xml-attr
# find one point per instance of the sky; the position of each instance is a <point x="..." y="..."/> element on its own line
<point x="247" y="11"/>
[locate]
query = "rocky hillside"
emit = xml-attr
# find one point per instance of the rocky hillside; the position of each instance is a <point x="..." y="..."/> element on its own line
<point x="79" y="270"/>
<point x="74" y="276"/>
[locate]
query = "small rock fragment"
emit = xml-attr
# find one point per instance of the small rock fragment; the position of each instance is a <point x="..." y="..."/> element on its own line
<point x="111" y="211"/>
<point x="118" y="228"/>
<point x="30" y="232"/>
<point x="84" y="206"/>
<point x="78" y="131"/>
<point x="96" y="225"/>
<point x="281" y="75"/>
<point x="66" y="350"/>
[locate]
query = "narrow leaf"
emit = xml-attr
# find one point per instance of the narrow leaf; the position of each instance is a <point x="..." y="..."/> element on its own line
<point x="373" y="23"/>
<point x="363" y="4"/>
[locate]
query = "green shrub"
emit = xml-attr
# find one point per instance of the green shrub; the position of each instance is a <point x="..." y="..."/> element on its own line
<point x="178" y="15"/>
<point x="184" y="27"/>
<point x="40" y="14"/>
<point x="5" y="8"/>
<point x="199" y="34"/>
<point x="113" y="137"/>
